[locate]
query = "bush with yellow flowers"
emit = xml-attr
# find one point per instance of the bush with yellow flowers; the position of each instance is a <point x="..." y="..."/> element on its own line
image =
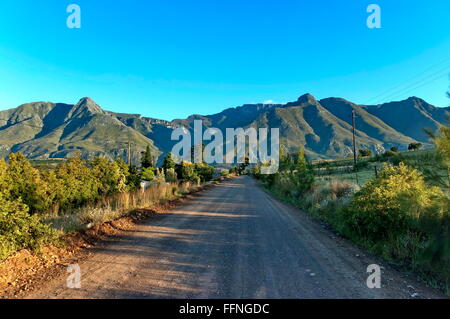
<point x="390" y="204"/>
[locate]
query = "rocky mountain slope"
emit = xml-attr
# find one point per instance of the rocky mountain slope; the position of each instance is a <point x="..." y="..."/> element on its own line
<point x="323" y="127"/>
<point x="55" y="130"/>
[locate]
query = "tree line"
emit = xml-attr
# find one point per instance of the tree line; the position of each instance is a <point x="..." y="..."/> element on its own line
<point x="27" y="194"/>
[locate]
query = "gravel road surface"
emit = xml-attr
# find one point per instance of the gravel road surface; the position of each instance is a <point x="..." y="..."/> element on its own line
<point x="232" y="241"/>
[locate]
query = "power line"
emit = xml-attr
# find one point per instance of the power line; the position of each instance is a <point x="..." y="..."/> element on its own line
<point x="419" y="85"/>
<point x="389" y="91"/>
<point x="414" y="77"/>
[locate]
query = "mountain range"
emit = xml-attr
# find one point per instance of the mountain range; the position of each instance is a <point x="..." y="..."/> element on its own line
<point x="323" y="127"/>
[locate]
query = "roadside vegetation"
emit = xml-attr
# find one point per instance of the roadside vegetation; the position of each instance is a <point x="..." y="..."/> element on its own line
<point x="40" y="204"/>
<point x="396" y="205"/>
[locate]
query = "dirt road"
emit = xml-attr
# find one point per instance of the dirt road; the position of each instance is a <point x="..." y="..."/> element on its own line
<point x="232" y="241"/>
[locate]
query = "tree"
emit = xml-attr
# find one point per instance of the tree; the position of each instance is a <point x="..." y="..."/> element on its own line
<point x="186" y="172"/>
<point x="365" y="153"/>
<point x="168" y="162"/>
<point x="302" y="177"/>
<point x="134" y="178"/>
<point x="148" y="174"/>
<point x="109" y="175"/>
<point x="126" y="171"/>
<point x="242" y="166"/>
<point x="414" y="146"/>
<point x="301" y="162"/>
<point x="79" y="185"/>
<point x="284" y="158"/>
<point x="204" y="171"/>
<point x="394" y="149"/>
<point x="147" y="158"/>
<point x="27" y="184"/>
<point x="55" y="189"/>
<point x="5" y="180"/>
<point x="442" y="143"/>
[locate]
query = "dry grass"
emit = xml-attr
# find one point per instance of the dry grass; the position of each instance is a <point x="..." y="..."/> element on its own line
<point x="112" y="207"/>
<point x="326" y="197"/>
<point x="339" y="189"/>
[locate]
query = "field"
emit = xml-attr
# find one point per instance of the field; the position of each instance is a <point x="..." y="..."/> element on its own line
<point x="368" y="167"/>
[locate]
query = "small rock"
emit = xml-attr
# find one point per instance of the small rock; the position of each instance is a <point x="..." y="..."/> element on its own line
<point x="312" y="274"/>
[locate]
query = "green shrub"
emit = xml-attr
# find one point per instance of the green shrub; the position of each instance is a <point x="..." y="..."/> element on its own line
<point x="187" y="173"/>
<point x="204" y="171"/>
<point x="224" y="172"/>
<point x="365" y="153"/>
<point x="108" y="175"/>
<point x="20" y="230"/>
<point x="148" y="174"/>
<point x="133" y="178"/>
<point x="387" y="206"/>
<point x="294" y="177"/>
<point x="435" y="223"/>
<point x="171" y="175"/>
<point x="77" y="185"/>
<point x="168" y="162"/>
<point x="414" y="146"/>
<point x="27" y="184"/>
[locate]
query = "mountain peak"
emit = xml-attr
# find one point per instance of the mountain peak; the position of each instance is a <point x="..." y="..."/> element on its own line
<point x="86" y="99"/>
<point x="307" y="98"/>
<point x="415" y="99"/>
<point x="88" y="102"/>
<point x="85" y="107"/>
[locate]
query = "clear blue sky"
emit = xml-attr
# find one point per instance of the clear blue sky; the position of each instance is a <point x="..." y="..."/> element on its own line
<point x="168" y="59"/>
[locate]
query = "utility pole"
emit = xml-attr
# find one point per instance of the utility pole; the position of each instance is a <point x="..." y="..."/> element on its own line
<point x="354" y="145"/>
<point x="354" y="139"/>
